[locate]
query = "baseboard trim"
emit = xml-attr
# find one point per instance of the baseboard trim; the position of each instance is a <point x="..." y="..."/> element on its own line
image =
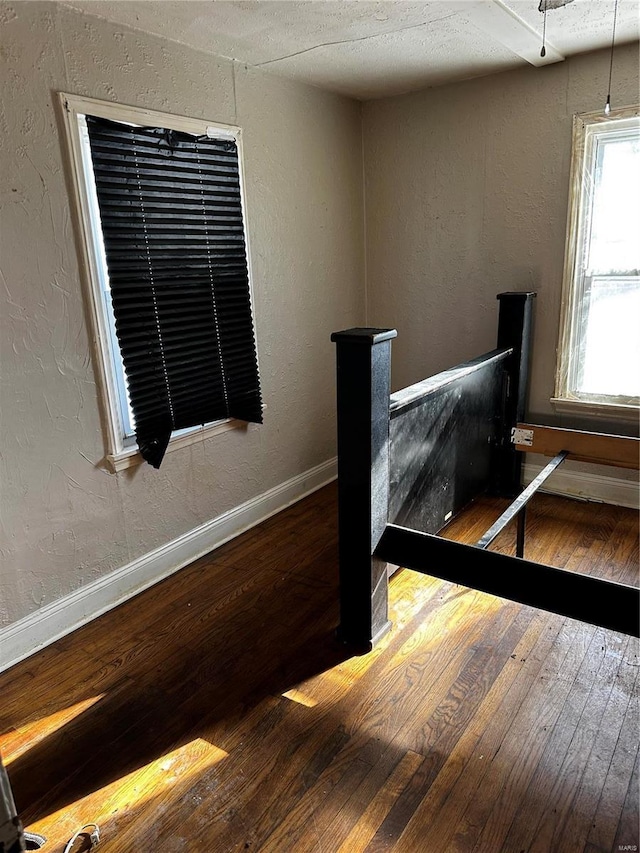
<point x="27" y="636"/>
<point x="591" y="487"/>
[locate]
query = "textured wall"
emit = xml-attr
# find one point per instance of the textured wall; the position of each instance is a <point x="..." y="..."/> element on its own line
<point x="466" y="196"/>
<point x="65" y="520"/>
<point x="466" y="190"/>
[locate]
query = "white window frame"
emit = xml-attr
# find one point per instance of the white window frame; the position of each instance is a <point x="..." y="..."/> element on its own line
<point x="585" y="128"/>
<point x="122" y="451"/>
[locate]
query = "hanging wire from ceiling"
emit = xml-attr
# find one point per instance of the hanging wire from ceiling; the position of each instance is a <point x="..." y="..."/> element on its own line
<point x="607" y="106"/>
<point x="544" y="7"/>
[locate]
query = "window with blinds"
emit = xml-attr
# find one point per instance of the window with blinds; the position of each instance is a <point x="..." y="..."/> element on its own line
<point x="175" y="279"/>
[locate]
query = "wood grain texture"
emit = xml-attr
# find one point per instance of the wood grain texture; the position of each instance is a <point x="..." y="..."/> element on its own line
<point x="621" y="451"/>
<point x="217" y="712"/>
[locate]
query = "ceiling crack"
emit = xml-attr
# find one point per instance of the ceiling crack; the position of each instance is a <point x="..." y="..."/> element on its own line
<point x="360" y="38"/>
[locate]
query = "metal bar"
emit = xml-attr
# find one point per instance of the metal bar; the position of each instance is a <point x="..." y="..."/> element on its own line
<point x="520" y="534"/>
<point x="521" y="501"/>
<point x="611" y="605"/>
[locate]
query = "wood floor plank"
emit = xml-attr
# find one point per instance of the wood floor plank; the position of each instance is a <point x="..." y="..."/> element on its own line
<point x="244" y="748"/>
<point x="506" y="737"/>
<point x="548" y="796"/>
<point x="579" y="821"/>
<point x="510" y="768"/>
<point x="441" y="731"/>
<point x="217" y="711"/>
<point x="53" y="681"/>
<point x="439" y="738"/>
<point x="358" y="746"/>
<point x="628" y="834"/>
<point x="612" y="806"/>
<point x="372" y="802"/>
<point x="569" y="745"/>
<point x="433" y="821"/>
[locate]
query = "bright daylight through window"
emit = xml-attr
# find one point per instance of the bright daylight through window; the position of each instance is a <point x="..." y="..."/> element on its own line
<point x="599" y="352"/>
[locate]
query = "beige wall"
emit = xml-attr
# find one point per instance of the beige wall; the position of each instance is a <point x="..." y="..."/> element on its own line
<point x="466" y="190"/>
<point x="65" y="520"/>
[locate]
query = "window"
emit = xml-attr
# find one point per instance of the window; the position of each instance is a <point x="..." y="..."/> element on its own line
<point x="164" y="238"/>
<point x="599" y="352"/>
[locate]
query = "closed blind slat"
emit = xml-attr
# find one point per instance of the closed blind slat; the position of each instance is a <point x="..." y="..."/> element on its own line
<point x="172" y="223"/>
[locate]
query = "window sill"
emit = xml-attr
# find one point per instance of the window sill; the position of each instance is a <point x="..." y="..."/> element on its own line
<point x="130" y="456"/>
<point x="612" y="411"/>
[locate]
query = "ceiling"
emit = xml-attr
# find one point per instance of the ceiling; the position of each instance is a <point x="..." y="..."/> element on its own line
<point x="373" y="48"/>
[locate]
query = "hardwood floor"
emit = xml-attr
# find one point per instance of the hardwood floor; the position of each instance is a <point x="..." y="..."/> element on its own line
<point x="216" y="711"/>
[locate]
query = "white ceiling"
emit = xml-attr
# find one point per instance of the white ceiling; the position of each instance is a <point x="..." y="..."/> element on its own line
<point x="372" y="48"/>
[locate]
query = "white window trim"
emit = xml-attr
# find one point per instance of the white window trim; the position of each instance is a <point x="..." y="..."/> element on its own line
<point x="130" y="456"/>
<point x="563" y="400"/>
<point x="607" y="411"/>
<point x="120" y="452"/>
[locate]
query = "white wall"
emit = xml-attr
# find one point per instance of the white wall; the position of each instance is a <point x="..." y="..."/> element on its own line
<point x="466" y="190"/>
<point x="65" y="521"/>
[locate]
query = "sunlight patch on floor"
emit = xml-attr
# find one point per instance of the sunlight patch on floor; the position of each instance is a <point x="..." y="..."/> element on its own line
<point x="111" y="804"/>
<point x="300" y="698"/>
<point x="14" y="744"/>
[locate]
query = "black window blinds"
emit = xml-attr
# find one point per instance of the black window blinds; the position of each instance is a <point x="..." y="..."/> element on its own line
<point x="173" y="233"/>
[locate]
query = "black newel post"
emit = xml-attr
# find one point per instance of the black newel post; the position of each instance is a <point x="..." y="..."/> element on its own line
<point x="514" y="330"/>
<point x="363" y="386"/>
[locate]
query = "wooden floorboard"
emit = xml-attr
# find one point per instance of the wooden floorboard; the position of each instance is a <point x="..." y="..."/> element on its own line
<point x="217" y="712"/>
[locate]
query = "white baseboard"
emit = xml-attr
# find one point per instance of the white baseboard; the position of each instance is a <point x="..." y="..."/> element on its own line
<point x="21" y="639"/>
<point x="591" y="487"/>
